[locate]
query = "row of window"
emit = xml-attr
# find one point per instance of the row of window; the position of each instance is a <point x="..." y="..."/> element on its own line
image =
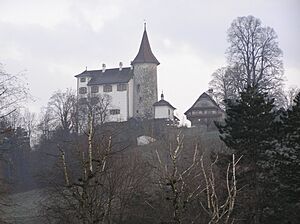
<point x="203" y="112"/>
<point x="95" y="100"/>
<point x="106" y="88"/>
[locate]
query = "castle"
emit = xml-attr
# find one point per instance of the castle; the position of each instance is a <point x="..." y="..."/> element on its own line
<point x="132" y="90"/>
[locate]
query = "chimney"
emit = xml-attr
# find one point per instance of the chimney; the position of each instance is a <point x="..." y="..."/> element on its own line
<point x="131" y="65"/>
<point x="103" y="67"/>
<point x="120" y="66"/>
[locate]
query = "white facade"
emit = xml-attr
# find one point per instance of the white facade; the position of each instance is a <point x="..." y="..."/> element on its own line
<point x="164" y="112"/>
<point x="163" y="109"/>
<point x="121" y="101"/>
<point x="138" y="82"/>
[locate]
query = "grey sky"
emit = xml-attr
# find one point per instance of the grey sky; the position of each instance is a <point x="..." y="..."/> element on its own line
<point x="54" y="40"/>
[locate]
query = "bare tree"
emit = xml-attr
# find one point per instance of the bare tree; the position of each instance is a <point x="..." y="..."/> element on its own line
<point x="255" y="59"/>
<point x="13" y="92"/>
<point x="62" y="106"/>
<point x="92" y="112"/>
<point x="194" y="187"/>
<point x="222" y="84"/>
<point x="220" y="211"/>
<point x="254" y="49"/>
<point x="47" y="123"/>
<point x="175" y="179"/>
<point x="94" y="109"/>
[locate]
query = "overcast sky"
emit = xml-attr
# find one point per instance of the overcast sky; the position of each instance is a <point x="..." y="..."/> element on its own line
<point x="56" y="39"/>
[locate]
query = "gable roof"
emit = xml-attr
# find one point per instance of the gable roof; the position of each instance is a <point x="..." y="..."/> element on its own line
<point x="203" y="96"/>
<point x="109" y="76"/>
<point x="163" y="103"/>
<point x="145" y="54"/>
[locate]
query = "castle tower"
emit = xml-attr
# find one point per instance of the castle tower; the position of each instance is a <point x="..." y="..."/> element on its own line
<point x="145" y="80"/>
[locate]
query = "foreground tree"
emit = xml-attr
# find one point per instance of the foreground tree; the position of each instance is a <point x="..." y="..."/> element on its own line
<point x="13" y="93"/>
<point x="191" y="186"/>
<point x="248" y="132"/>
<point x="288" y="160"/>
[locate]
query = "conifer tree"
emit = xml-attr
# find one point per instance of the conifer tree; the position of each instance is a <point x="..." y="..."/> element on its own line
<point x="286" y="194"/>
<point x="292" y="124"/>
<point x="248" y="132"/>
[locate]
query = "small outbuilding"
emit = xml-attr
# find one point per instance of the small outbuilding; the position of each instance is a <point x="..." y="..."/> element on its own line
<point x="204" y="112"/>
<point x="164" y="110"/>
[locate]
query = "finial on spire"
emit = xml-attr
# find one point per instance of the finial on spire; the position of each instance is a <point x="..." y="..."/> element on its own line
<point x="145" y="24"/>
<point x="162" y="95"/>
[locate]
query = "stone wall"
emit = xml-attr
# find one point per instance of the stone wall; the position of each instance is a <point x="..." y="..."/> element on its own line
<point x="145" y="90"/>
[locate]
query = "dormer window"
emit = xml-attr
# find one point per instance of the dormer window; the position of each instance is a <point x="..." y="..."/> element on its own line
<point x="107" y="88"/>
<point x="83" y="79"/>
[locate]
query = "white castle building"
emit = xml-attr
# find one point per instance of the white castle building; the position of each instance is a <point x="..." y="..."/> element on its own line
<point x="132" y="90"/>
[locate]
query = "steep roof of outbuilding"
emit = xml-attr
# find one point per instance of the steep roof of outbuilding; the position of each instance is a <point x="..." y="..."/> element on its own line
<point x="203" y="95"/>
<point x="163" y="103"/>
<point x="145" y="54"/>
<point x="109" y="76"/>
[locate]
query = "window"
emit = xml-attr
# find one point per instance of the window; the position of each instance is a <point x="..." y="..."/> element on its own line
<point x="82" y="90"/>
<point x="83" y="79"/>
<point x="140" y="99"/>
<point x="169" y="112"/>
<point x="95" y="89"/>
<point x="107" y="88"/>
<point x="138" y="87"/>
<point x="114" y="111"/>
<point x="122" y="87"/>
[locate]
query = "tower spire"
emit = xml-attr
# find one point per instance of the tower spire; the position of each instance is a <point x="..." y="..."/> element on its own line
<point x="145" y="54"/>
<point x="145" y="25"/>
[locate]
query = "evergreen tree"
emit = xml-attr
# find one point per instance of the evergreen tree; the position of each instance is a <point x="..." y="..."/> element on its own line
<point x="248" y="132"/>
<point x="287" y="172"/>
<point x="292" y="124"/>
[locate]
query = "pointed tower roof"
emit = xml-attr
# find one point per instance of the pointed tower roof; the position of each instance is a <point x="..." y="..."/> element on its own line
<point x="145" y="54"/>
